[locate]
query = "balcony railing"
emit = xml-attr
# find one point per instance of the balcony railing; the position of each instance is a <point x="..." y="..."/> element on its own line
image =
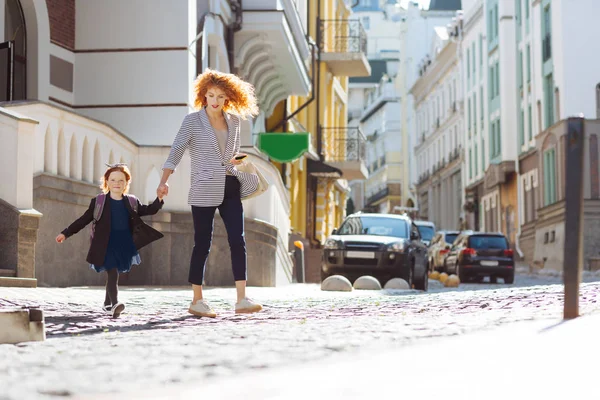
<point x="378" y="196"/>
<point x="342" y="36"/>
<point x="349" y="144"/>
<point x="547" y="47"/>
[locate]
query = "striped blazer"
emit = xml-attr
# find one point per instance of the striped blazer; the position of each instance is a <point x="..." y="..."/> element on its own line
<point x="208" y="165"/>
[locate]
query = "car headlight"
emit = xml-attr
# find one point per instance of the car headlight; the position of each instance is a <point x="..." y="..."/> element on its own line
<point x="332" y="244"/>
<point x="397" y="247"/>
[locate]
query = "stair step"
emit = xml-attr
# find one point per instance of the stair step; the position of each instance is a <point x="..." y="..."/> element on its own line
<point x="8" y="272"/>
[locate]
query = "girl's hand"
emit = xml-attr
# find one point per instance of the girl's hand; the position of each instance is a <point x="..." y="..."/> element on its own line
<point x="60" y="238"/>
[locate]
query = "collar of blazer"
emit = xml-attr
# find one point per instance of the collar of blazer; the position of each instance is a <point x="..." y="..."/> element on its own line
<point x="231" y="127"/>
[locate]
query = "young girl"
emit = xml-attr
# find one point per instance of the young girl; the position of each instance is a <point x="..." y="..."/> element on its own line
<point x="118" y="232"/>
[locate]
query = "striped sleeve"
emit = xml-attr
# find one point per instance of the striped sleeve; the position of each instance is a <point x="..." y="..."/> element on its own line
<point x="181" y="142"/>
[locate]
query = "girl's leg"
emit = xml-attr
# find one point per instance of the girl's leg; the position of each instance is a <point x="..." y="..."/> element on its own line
<point x="197" y="293"/>
<point x="112" y="285"/>
<point x="107" y="302"/>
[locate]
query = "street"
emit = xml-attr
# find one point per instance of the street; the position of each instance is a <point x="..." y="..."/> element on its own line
<point x="156" y="343"/>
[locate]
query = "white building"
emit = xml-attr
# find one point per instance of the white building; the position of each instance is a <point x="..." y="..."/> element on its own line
<point x="416" y="35"/>
<point x="92" y="87"/>
<point x="373" y="106"/>
<point x="438" y="117"/>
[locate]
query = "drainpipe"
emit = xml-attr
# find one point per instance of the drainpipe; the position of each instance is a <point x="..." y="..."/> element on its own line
<point x="519" y="213"/>
<point x="236" y="26"/>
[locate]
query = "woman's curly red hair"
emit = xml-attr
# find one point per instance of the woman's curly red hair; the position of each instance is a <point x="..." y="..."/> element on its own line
<point x="241" y="99"/>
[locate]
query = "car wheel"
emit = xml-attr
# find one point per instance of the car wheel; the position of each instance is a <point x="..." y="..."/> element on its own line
<point x="510" y="278"/>
<point x="422" y="283"/>
<point x="493" y="279"/>
<point x="460" y="273"/>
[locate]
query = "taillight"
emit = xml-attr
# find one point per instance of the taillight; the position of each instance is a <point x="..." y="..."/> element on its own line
<point x="469" y="252"/>
<point x="508" y="253"/>
<point x="444" y="251"/>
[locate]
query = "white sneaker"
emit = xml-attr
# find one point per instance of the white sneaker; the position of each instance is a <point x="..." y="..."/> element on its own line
<point x="202" y="309"/>
<point x="117" y="309"/>
<point x="107" y="308"/>
<point x="247" y="306"/>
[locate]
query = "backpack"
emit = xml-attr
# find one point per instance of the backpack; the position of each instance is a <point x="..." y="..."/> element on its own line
<point x="99" y="207"/>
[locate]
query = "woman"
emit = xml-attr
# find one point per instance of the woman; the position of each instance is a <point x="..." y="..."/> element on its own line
<point x="212" y="135"/>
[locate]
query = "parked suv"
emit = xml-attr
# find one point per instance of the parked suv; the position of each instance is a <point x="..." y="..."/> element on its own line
<point x="475" y="255"/>
<point x="384" y="246"/>
<point x="439" y="248"/>
<point x="427" y="230"/>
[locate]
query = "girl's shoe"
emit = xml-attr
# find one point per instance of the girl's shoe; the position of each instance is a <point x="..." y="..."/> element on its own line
<point x="202" y="309"/>
<point x="107" y="308"/>
<point x="117" y="309"/>
<point x="247" y="306"/>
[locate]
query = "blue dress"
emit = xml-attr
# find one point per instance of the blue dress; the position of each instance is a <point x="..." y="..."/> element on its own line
<point x="121" y="252"/>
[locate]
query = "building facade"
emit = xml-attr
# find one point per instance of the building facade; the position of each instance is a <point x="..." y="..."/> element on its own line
<point x="89" y="88"/>
<point x="439" y="120"/>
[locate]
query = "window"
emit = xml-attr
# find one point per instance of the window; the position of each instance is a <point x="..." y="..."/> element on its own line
<point x="496" y="21"/>
<point x="468" y="67"/>
<point x="474" y="60"/>
<point x="529" y="123"/>
<point x="497" y="79"/>
<point x="483" y="154"/>
<point x="549" y="177"/>
<point x="527" y="9"/>
<point x="481" y="50"/>
<point x="549" y="100"/>
<point x="14" y="29"/>
<point x="520" y="69"/>
<point x="470" y="164"/>
<point x="492" y="84"/>
<point x="522" y="128"/>
<point x="528" y="63"/>
<point x="475" y="113"/>
<point x="476" y="161"/>
<point x="469" y="117"/>
<point x="481" y="104"/>
<point x="366" y="21"/>
<point x="518" y="16"/>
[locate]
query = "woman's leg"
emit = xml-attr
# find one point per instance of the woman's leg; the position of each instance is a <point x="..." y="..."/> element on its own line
<point x="112" y="285"/>
<point x="107" y="302"/>
<point x="203" y="230"/>
<point x="232" y="213"/>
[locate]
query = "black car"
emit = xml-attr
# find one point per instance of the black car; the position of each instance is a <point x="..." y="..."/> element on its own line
<point x="475" y="255"/>
<point x="384" y="246"/>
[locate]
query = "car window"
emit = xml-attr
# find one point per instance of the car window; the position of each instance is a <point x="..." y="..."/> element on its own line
<point x="426" y="232"/>
<point x="378" y="226"/>
<point x="482" y="242"/>
<point x="451" y="237"/>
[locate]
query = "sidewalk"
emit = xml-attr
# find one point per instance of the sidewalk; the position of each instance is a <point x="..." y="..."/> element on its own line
<point x="526" y="360"/>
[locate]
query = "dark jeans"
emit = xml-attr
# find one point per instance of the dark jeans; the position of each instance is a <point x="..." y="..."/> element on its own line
<point x="232" y="214"/>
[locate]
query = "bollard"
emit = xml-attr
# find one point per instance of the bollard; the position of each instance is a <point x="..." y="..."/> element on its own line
<point x="573" y="250"/>
<point x="299" y="261"/>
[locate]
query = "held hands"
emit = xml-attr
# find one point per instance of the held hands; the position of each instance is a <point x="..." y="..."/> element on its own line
<point x="60" y="238"/>
<point x="162" y="190"/>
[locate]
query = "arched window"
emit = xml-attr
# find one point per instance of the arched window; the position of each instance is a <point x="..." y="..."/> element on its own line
<point x="13" y="53"/>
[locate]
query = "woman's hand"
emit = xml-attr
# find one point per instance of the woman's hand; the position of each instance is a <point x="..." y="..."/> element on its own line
<point x="162" y="190"/>
<point x="60" y="238"/>
<point x="238" y="162"/>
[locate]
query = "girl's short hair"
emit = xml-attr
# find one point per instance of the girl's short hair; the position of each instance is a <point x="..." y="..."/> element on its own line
<point x="241" y="99"/>
<point x="120" y="168"/>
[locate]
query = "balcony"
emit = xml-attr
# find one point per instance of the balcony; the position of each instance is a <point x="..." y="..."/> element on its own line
<point x="547" y="47"/>
<point x="378" y="196"/>
<point x="347" y="151"/>
<point x="343" y="45"/>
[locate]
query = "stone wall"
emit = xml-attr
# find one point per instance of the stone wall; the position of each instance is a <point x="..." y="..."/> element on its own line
<point x="164" y="262"/>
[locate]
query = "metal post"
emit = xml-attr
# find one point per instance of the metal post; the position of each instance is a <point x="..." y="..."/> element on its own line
<point x="299" y="260"/>
<point x="573" y="250"/>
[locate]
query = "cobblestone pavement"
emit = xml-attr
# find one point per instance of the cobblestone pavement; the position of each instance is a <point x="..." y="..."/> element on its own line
<point x="156" y="343"/>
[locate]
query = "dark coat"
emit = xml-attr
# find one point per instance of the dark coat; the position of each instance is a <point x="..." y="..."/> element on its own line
<point x="142" y="234"/>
